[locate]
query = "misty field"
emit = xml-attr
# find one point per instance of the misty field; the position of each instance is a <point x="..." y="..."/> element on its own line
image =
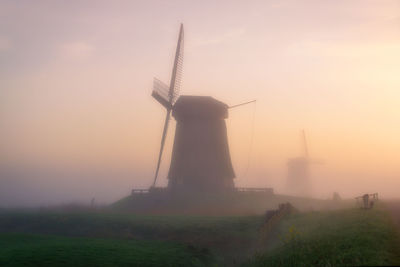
<point x="323" y="238"/>
<point x="48" y="250"/>
<point x="205" y="239"/>
<point x="352" y="237"/>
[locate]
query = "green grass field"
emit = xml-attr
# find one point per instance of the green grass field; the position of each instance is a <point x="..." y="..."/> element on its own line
<point x="221" y="237"/>
<point x="324" y="238"/>
<point x="46" y="250"/>
<point x="351" y="237"/>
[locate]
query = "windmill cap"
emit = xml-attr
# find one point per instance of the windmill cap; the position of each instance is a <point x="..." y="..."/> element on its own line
<point x="199" y="107"/>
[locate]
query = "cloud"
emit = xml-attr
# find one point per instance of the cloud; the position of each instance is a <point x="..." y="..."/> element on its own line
<point x="372" y="50"/>
<point x="5" y="44"/>
<point x="229" y="35"/>
<point x="76" y="50"/>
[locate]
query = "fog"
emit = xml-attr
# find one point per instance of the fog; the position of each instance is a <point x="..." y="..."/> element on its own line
<point x="77" y="120"/>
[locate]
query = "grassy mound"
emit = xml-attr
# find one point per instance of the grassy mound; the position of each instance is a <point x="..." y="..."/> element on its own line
<point x="42" y="250"/>
<point x="335" y="238"/>
<point x="233" y="203"/>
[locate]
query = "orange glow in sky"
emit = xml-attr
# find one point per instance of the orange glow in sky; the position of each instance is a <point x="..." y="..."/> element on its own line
<point x="76" y="79"/>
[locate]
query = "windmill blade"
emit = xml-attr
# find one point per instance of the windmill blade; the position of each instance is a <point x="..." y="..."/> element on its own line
<point x="160" y="93"/>
<point x="175" y="83"/>
<point x="164" y="135"/>
<point x="305" y="144"/>
<point x="168" y="100"/>
<point x="161" y="88"/>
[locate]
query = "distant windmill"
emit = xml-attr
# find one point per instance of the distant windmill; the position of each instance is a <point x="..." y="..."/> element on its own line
<point x="168" y="95"/>
<point x="200" y="158"/>
<point x="298" y="176"/>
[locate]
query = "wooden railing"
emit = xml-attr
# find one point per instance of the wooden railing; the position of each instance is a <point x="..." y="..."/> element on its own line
<point x="367" y="201"/>
<point x="148" y="190"/>
<point x="139" y="191"/>
<point x="237" y="189"/>
<point x="255" y="189"/>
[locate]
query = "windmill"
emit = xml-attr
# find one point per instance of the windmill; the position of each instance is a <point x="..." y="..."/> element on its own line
<point x="298" y="176"/>
<point x="167" y="95"/>
<point x="200" y="156"/>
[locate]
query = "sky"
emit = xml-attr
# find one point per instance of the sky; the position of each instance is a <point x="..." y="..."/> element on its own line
<point x="77" y="119"/>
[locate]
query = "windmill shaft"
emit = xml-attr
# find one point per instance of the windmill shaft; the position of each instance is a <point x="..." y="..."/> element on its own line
<point x="162" y="144"/>
<point x="245" y="103"/>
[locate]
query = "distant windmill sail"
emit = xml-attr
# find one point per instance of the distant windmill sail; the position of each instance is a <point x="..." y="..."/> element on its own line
<point x="305" y="143"/>
<point x="167" y="96"/>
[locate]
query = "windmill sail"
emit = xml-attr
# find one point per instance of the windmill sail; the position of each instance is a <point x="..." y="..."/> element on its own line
<point x="164" y="135"/>
<point x="305" y="147"/>
<point x="161" y="93"/>
<point x="167" y="97"/>
<point x="175" y="83"/>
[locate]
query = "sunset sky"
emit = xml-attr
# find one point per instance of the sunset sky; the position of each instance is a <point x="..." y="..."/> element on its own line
<point x="77" y="119"/>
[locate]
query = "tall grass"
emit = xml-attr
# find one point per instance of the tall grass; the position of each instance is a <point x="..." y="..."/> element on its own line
<point x="336" y="238"/>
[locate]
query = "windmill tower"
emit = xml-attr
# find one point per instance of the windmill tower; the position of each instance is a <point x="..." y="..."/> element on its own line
<point x="201" y="160"/>
<point x="298" y="175"/>
<point x="200" y="157"/>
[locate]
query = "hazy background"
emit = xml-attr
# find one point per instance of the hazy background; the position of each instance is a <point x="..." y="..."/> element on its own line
<point x="77" y="120"/>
